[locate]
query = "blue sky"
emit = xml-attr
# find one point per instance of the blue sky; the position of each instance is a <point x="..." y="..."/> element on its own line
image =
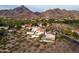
<point x="41" y="8"/>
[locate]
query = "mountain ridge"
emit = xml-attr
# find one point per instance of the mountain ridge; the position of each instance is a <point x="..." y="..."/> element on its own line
<point x="23" y="12"/>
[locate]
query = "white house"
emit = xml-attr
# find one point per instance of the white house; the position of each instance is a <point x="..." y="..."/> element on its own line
<point x="36" y="32"/>
<point x="49" y="36"/>
<point x="4" y="27"/>
<point x="30" y="33"/>
<point x="27" y="26"/>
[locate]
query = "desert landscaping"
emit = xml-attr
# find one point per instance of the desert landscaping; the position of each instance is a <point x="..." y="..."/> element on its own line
<point x="52" y="31"/>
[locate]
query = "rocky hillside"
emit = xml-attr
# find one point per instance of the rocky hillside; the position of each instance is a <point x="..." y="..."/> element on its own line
<point x="18" y="13"/>
<point x="24" y="12"/>
<point x="60" y="13"/>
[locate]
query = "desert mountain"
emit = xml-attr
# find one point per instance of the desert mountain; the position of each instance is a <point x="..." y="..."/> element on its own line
<point x="60" y="13"/>
<point x="23" y="12"/>
<point x="18" y="13"/>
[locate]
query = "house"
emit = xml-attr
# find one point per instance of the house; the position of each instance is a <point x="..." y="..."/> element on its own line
<point x="34" y="36"/>
<point x="27" y="26"/>
<point x="12" y="30"/>
<point x="36" y="32"/>
<point x="23" y="26"/>
<point x="30" y="33"/>
<point x="49" y="36"/>
<point x="3" y="27"/>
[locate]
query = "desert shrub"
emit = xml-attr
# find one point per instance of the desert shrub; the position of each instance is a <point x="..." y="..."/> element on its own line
<point x="2" y="32"/>
<point x="1" y="22"/>
<point x="3" y="41"/>
<point x="75" y="35"/>
<point x="18" y="26"/>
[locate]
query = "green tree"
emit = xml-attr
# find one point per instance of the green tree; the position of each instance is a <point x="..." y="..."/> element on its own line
<point x="1" y="24"/>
